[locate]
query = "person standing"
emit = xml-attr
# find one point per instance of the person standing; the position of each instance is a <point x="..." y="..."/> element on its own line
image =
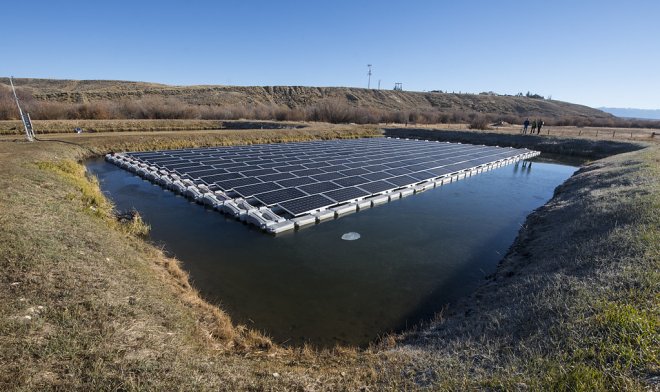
<point x="539" y="124"/>
<point x="525" y="126"/>
<point x="533" y="127"/>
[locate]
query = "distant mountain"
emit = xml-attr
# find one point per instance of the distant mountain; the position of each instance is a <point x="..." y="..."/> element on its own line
<point x="651" y="114"/>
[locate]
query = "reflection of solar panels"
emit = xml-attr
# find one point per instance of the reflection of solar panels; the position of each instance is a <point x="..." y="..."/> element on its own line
<point x="303" y="177"/>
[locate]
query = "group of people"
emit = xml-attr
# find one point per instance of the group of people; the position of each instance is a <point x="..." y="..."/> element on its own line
<point x="536" y="126"/>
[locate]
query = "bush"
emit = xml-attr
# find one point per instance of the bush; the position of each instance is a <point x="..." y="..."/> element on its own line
<point x="479" y="122"/>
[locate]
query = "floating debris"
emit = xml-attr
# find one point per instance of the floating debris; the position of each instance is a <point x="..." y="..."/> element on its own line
<point x="352" y="236"/>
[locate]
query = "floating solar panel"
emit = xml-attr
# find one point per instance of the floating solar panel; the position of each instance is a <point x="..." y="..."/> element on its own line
<point x="307" y="172"/>
<point x="350" y="181"/>
<point x="231" y="184"/>
<point x="276" y="177"/>
<point x="258" y="172"/>
<point x="290" y="168"/>
<point x="377" y="176"/>
<point x="422" y="175"/>
<point x="279" y="196"/>
<point x="250" y="190"/>
<point x="403" y="180"/>
<point x="296" y="181"/>
<point x="220" y="177"/>
<point x="346" y="194"/>
<point x="196" y="172"/>
<point x="354" y="172"/>
<point x="377" y="186"/>
<point x="319" y="187"/>
<point x="303" y="177"/>
<point x="306" y="204"/>
<point x="398" y="171"/>
<point x="315" y="165"/>
<point x="327" y="176"/>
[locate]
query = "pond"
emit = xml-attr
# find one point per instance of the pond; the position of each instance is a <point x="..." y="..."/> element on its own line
<point x="409" y="259"/>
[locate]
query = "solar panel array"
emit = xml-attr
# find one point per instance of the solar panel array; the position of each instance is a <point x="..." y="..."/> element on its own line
<point x="306" y="176"/>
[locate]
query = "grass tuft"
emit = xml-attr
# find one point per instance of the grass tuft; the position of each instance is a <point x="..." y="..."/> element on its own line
<point x="89" y="193"/>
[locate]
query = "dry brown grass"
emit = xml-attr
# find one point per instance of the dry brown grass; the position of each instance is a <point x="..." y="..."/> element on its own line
<point x="573" y="306"/>
<point x="564" y="132"/>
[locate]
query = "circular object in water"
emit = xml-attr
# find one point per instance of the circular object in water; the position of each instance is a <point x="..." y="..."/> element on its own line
<point x="352" y="236"/>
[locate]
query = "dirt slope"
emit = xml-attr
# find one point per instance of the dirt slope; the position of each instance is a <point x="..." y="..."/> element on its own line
<point x="79" y="91"/>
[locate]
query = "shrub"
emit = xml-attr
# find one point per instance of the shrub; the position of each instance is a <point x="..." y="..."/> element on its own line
<point x="479" y="122"/>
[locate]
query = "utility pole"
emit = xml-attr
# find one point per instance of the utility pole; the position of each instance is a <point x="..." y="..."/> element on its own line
<point x="369" y="73"/>
<point x="379" y="84"/>
<point x="25" y="117"/>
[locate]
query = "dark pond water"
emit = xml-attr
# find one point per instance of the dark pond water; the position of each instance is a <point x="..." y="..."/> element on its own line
<point x="415" y="255"/>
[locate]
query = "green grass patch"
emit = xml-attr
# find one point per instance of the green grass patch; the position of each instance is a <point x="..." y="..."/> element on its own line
<point x="92" y="199"/>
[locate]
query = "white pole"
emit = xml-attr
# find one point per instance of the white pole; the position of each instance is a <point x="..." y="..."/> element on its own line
<point x="28" y="133"/>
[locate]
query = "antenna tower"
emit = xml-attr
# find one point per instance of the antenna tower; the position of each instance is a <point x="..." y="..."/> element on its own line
<point x="369" y="73"/>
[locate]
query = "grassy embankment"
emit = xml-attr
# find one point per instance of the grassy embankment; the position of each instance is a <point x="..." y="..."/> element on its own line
<point x="573" y="305"/>
<point x="15" y="127"/>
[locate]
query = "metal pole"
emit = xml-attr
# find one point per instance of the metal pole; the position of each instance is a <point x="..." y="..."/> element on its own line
<point x="369" y="73"/>
<point x="28" y="133"/>
<point x="31" y="127"/>
<point x="16" y="97"/>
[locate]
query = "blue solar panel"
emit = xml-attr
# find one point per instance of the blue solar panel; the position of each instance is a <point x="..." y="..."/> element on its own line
<point x="350" y="181"/>
<point x="231" y="184"/>
<point x="423" y="175"/>
<point x="354" y="172"/>
<point x="249" y="190"/>
<point x="327" y="176"/>
<point x="279" y="195"/>
<point x="377" y="176"/>
<point x="296" y="181"/>
<point x="220" y="177"/>
<point x="289" y="168"/>
<point x="377" y="186"/>
<point x="319" y="187"/>
<point x="258" y="172"/>
<point x="402" y="180"/>
<point x="315" y="165"/>
<point x="307" y="172"/>
<point x="336" y="171"/>
<point x="346" y="194"/>
<point x="398" y="171"/>
<point x="306" y="204"/>
<point x="198" y="173"/>
<point x="335" y="168"/>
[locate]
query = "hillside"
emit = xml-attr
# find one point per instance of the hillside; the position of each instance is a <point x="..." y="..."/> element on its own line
<point x="298" y="97"/>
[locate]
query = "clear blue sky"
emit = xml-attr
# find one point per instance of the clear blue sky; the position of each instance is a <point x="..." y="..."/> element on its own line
<point x="597" y="53"/>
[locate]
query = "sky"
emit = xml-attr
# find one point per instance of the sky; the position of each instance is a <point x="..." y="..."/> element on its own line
<point x="596" y="53"/>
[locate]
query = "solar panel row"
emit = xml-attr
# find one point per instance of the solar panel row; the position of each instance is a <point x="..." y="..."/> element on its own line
<point x="304" y="176"/>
